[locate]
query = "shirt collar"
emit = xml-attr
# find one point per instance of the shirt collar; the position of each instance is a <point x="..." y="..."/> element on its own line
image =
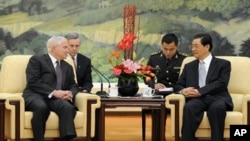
<point x="75" y="57"/>
<point x="53" y="59"/>
<point x="174" y="56"/>
<point x="207" y="60"/>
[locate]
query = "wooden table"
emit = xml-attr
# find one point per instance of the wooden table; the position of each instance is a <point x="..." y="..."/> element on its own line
<point x="156" y="104"/>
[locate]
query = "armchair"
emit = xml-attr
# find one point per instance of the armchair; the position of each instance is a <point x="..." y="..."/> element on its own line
<point x="239" y="90"/>
<point x="17" y="121"/>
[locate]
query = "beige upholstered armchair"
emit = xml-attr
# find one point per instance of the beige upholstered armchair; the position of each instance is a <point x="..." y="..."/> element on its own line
<point x="239" y="88"/>
<point x="15" y="122"/>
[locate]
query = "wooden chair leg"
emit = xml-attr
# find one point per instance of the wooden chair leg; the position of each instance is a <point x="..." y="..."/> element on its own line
<point x="2" y="113"/>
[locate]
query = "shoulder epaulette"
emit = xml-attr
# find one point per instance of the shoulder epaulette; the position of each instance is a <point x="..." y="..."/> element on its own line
<point x="184" y="54"/>
<point x="154" y="53"/>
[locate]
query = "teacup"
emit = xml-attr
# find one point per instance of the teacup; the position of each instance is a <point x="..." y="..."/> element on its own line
<point x="113" y="91"/>
<point x="148" y="92"/>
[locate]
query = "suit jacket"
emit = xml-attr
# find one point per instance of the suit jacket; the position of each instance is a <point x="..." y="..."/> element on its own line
<point x="41" y="78"/>
<point x="168" y="73"/>
<point x="83" y="72"/>
<point x="216" y="81"/>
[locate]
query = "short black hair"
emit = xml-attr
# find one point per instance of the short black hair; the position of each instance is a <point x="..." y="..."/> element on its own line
<point x="169" y="38"/>
<point x="206" y="39"/>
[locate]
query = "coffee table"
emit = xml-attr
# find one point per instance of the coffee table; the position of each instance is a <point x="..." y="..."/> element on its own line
<point x="157" y="104"/>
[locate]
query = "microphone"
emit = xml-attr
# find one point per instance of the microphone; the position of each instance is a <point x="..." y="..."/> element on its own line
<point x="101" y="92"/>
<point x="154" y="80"/>
<point x="157" y="68"/>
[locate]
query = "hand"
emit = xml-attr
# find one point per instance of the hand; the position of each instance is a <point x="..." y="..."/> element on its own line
<point x="159" y="86"/>
<point x="67" y="95"/>
<point x="190" y="92"/>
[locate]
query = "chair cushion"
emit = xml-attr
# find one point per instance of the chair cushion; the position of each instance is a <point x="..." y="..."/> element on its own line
<point x="13" y="83"/>
<point x="237" y="101"/>
<point x="52" y="122"/>
<point x="233" y="117"/>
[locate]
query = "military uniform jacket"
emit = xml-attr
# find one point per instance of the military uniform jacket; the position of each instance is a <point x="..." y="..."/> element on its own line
<point x="166" y="70"/>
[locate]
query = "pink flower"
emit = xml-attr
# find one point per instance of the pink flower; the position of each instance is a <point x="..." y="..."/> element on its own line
<point x="132" y="67"/>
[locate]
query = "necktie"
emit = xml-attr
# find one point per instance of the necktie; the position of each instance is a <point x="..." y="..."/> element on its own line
<point x="167" y="61"/>
<point x="58" y="76"/>
<point x="74" y="61"/>
<point x="202" y="74"/>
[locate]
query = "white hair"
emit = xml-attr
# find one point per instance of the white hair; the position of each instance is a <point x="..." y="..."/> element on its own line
<point x="55" y="41"/>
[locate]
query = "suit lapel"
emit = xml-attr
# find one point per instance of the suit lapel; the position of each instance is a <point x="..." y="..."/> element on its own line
<point x="51" y="66"/>
<point x="162" y="61"/>
<point x="78" y="65"/>
<point x="211" y="68"/>
<point x="196" y="72"/>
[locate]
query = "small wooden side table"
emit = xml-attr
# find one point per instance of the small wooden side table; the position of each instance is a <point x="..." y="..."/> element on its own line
<point x="157" y="104"/>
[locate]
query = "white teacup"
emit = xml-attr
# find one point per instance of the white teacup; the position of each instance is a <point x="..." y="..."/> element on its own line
<point x="148" y="91"/>
<point x="113" y="91"/>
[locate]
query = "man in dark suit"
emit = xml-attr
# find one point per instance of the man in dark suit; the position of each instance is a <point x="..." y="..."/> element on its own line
<point x="51" y="87"/>
<point x="207" y="93"/>
<point x="167" y="63"/>
<point x="82" y="63"/>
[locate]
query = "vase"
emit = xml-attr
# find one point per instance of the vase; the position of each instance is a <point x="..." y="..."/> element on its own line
<point x="126" y="88"/>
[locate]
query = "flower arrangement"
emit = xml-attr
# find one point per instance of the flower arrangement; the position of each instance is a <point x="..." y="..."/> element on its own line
<point x="129" y="71"/>
<point x="125" y="68"/>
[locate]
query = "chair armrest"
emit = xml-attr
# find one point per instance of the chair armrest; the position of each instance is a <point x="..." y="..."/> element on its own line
<point x="88" y="103"/>
<point x="174" y="97"/>
<point x="246" y="109"/>
<point x="81" y="100"/>
<point x="14" y="103"/>
<point x="175" y="102"/>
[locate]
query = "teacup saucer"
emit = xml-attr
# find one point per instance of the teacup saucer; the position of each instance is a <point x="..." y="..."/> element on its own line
<point x="113" y="96"/>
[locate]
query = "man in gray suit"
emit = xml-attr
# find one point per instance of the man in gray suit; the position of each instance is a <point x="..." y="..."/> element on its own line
<point x="51" y="87"/>
<point x="204" y="92"/>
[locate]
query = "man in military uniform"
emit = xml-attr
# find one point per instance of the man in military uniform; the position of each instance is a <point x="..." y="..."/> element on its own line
<point x="166" y="63"/>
